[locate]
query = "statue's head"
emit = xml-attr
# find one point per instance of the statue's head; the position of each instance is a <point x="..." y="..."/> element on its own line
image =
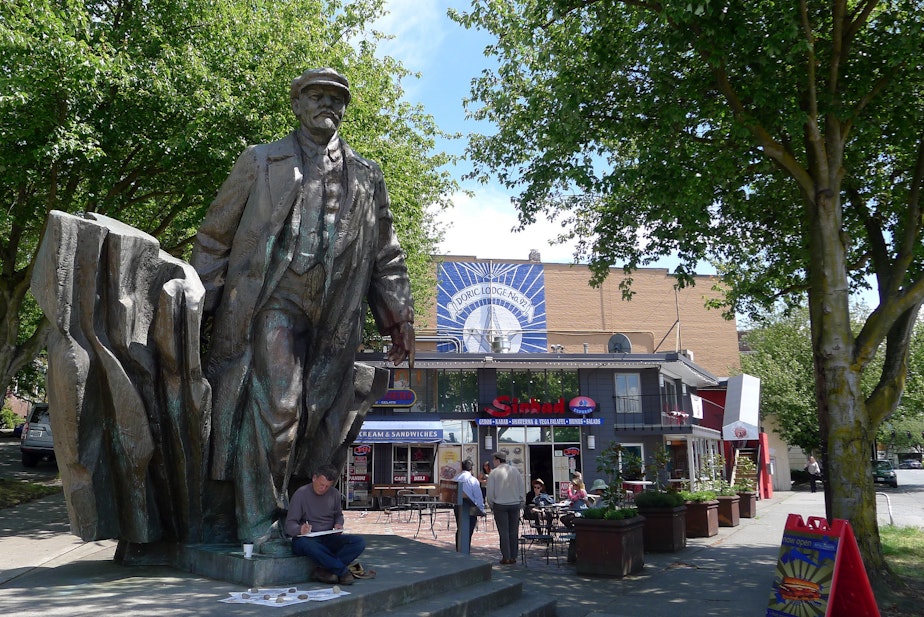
<point x="319" y="98"/>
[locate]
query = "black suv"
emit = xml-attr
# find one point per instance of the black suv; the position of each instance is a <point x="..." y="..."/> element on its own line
<point x="35" y="442"/>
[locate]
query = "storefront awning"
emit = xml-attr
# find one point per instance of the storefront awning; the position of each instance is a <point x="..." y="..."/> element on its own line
<point x="400" y="431"/>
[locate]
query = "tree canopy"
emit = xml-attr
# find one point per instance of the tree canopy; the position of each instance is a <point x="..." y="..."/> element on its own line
<point x="138" y="110"/>
<point x="779" y="352"/>
<point x="781" y="140"/>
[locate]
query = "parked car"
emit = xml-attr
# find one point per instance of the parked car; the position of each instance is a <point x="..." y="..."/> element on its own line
<point x="884" y="472"/>
<point x="911" y="463"/>
<point x="35" y="442"/>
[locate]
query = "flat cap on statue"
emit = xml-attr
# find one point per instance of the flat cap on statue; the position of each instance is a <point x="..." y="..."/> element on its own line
<point x="321" y="77"/>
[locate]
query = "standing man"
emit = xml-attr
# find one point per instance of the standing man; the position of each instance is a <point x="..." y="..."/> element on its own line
<point x="315" y="508"/>
<point x="472" y="500"/>
<point x="296" y="243"/>
<point x="506" y="495"/>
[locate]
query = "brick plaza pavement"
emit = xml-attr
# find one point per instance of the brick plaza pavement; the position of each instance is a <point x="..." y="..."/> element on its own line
<point x="485" y="543"/>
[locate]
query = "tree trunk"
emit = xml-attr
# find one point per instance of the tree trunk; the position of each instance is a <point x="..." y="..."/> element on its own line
<point x="847" y="432"/>
<point x="13" y="356"/>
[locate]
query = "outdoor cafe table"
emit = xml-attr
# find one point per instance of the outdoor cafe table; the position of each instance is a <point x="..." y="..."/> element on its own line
<point x="431" y="508"/>
<point x="636" y="486"/>
<point x="550" y="515"/>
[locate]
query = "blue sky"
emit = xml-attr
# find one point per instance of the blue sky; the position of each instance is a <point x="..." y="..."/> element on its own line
<point x="448" y="57"/>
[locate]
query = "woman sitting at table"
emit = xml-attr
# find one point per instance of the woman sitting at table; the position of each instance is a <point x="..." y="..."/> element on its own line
<point x="576" y="495"/>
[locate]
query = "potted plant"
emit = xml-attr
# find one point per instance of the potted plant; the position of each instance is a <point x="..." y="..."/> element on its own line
<point x="727" y="495"/>
<point x="746" y="486"/>
<point x="608" y="537"/>
<point x="609" y="541"/>
<point x="702" y="513"/>
<point x="665" y="528"/>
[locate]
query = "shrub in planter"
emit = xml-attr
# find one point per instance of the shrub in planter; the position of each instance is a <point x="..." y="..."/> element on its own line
<point x="609" y="514"/>
<point x="697" y="496"/>
<point x="659" y="499"/>
<point x="729" y="515"/>
<point x="609" y="541"/>
<point x="665" y="529"/>
<point x="746" y="488"/>
<point x="702" y="513"/>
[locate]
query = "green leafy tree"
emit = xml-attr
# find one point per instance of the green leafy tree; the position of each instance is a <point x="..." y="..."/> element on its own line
<point x="780" y="354"/>
<point x="137" y="110"/>
<point x="782" y="140"/>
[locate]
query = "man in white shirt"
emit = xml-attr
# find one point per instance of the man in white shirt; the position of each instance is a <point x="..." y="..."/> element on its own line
<point x="506" y="494"/>
<point x="471" y="496"/>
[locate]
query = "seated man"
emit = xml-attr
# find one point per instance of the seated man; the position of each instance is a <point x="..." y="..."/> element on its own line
<point x="314" y="508"/>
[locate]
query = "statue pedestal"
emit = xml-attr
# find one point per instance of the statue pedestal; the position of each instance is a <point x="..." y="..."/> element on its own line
<point x="224" y="562"/>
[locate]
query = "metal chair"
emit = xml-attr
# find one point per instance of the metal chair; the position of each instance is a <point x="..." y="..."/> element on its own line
<point x="535" y="534"/>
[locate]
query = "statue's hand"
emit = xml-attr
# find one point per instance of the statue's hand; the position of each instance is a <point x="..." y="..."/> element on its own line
<point x="402" y="344"/>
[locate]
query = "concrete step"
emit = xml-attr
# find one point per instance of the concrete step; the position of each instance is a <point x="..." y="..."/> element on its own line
<point x="527" y="606"/>
<point x="412" y="574"/>
<point x="479" y="599"/>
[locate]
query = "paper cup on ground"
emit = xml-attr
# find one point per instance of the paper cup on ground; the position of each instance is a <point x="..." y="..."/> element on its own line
<point x="248" y="551"/>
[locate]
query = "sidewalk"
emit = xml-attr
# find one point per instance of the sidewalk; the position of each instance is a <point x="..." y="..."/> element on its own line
<point x="726" y="575"/>
<point x="44" y="568"/>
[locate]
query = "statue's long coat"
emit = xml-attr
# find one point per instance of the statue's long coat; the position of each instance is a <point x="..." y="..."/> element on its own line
<point x="242" y="250"/>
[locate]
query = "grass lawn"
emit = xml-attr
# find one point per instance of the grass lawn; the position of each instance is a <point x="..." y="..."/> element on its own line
<point x="903" y="548"/>
<point x="14" y="492"/>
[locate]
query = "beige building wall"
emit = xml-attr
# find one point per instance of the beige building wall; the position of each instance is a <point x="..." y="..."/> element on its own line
<point x="656" y="320"/>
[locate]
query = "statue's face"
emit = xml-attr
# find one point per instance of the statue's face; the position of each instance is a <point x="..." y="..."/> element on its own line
<point x="320" y="110"/>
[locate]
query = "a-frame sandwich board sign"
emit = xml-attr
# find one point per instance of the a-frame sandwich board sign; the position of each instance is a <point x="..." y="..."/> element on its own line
<point x="820" y="573"/>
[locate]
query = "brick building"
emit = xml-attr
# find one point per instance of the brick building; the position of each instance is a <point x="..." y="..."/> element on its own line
<point x="529" y="358"/>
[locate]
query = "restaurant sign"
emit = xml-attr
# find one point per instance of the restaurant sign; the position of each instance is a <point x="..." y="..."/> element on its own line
<point x="582" y="405"/>
<point x="505" y="406"/>
<point x="530" y="421"/>
<point x="397" y="398"/>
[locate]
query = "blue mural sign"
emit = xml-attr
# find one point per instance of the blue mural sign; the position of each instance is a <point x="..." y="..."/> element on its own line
<point x="492" y="307"/>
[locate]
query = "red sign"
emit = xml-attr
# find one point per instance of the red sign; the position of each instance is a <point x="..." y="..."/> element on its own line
<point x="420" y="477"/>
<point x="820" y="572"/>
<point x="571" y="451"/>
<point x="504" y="406"/>
<point x="360" y="450"/>
<point x="582" y="405"/>
<point x="359" y="478"/>
<point x="397" y="398"/>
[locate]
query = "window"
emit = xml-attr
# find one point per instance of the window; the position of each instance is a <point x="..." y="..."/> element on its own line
<point x="458" y="431"/>
<point x="670" y="396"/>
<point x="544" y="386"/>
<point x="567" y="434"/>
<point x="444" y="391"/>
<point x="457" y="391"/>
<point x="412" y="464"/>
<point x="631" y="461"/>
<point x="628" y="393"/>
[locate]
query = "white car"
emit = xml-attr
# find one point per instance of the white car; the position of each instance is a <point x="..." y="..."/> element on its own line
<point x="35" y="442"/>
